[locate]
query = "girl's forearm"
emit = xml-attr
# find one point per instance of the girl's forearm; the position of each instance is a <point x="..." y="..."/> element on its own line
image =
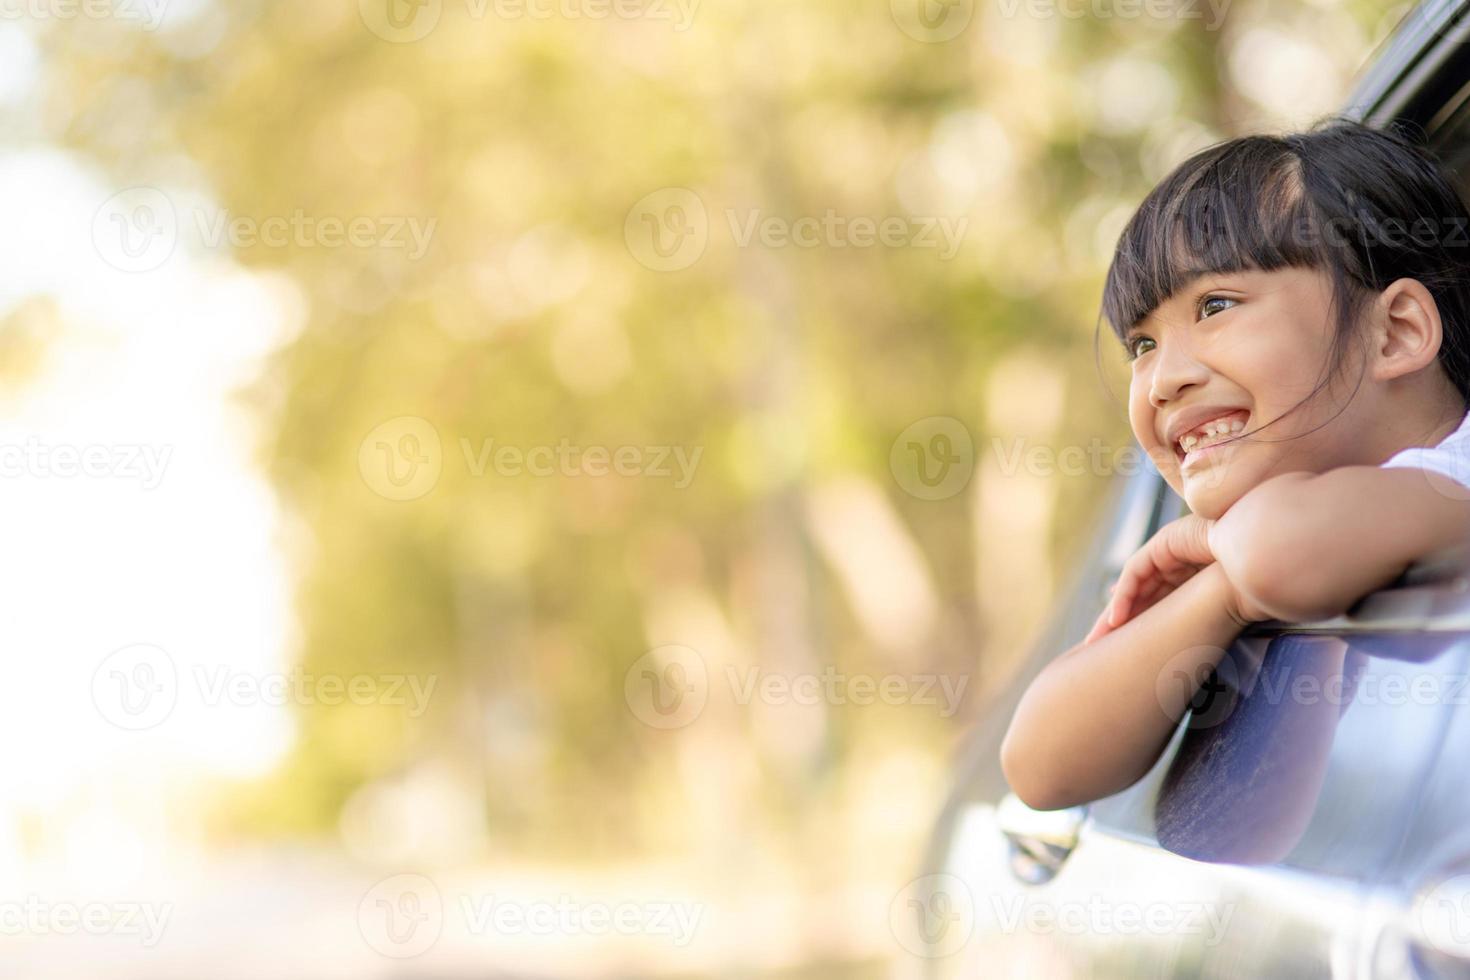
<point x="1094" y="721"/>
<point x="1303" y="546"/>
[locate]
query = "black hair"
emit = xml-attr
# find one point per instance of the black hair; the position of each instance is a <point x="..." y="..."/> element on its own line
<point x="1369" y="206"/>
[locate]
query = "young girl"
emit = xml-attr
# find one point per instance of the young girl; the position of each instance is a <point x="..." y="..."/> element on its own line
<point x="1296" y="314"/>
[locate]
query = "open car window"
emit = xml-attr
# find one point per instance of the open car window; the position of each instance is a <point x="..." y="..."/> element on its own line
<point x="1422" y="75"/>
<point x="1310" y="744"/>
<point x="1308" y="750"/>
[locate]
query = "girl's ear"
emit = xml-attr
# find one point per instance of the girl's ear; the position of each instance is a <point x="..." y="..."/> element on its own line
<point x="1407" y="330"/>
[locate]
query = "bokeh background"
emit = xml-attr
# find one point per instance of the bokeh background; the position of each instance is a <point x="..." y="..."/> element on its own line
<point x="543" y="487"/>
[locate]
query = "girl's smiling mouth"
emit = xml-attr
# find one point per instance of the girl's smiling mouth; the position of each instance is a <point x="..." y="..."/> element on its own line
<point x="1208" y="438"/>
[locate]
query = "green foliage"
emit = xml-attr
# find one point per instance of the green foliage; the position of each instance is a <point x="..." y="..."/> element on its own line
<point x="530" y="320"/>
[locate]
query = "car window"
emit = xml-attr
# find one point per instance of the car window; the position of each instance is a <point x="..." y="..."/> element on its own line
<point x="1389" y="778"/>
<point x="1307" y="750"/>
<point x="1439" y="834"/>
<point x="1452" y="138"/>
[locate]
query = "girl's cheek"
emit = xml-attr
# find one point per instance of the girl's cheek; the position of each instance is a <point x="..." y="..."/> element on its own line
<point x="1138" y="407"/>
<point x="1143" y="432"/>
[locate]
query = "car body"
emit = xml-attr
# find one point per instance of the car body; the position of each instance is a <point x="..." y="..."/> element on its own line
<point x="1310" y="816"/>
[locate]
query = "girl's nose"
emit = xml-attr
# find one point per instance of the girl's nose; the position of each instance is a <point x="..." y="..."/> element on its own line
<point x="1174" y="370"/>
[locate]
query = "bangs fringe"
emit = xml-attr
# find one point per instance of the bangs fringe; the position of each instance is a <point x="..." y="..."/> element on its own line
<point x="1231" y="207"/>
<point x="1337" y="197"/>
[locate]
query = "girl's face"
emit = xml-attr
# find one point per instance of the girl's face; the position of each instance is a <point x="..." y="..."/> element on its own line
<point x="1243" y="347"/>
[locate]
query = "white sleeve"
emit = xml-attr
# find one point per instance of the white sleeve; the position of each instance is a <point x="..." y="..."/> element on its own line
<point x="1450" y="458"/>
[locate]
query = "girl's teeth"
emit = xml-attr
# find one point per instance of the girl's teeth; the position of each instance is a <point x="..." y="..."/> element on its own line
<point x="1211" y="430"/>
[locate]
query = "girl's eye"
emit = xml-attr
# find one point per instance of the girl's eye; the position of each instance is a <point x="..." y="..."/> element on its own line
<point x="1204" y="304"/>
<point x="1133" y="351"/>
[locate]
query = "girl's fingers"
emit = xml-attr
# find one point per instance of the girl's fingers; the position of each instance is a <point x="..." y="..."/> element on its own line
<point x="1098" y="628"/>
<point x="1130" y="585"/>
<point x="1142" y="594"/>
<point x="1140" y="603"/>
<point x="1122" y="604"/>
<point x="1125" y="606"/>
<point x="1128" y="581"/>
<point x="1118" y="615"/>
<point x="1156" y="591"/>
<point x="1163" y="585"/>
<point x="1164" y="563"/>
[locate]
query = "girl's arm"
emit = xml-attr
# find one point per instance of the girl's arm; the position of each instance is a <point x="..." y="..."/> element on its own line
<point x="1305" y="546"/>
<point x="1095" y="720"/>
<point x="1298" y="547"/>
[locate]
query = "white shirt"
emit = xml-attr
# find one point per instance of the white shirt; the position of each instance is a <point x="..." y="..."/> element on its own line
<point x="1450" y="457"/>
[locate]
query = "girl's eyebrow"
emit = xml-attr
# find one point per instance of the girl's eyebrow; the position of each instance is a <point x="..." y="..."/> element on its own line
<point x="1202" y="281"/>
<point x="1206" y="281"/>
<point x="1199" y="284"/>
<point x="1194" y="289"/>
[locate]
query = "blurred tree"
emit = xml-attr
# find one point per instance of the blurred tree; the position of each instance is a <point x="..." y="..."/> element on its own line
<point x="552" y="307"/>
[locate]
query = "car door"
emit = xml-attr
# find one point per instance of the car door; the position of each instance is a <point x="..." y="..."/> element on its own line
<point x="1419" y="924"/>
<point x="959" y="917"/>
<point x="1297" y="777"/>
<point x="1263" y="840"/>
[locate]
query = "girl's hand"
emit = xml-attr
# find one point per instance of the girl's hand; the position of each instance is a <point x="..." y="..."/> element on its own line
<point x="1170" y="558"/>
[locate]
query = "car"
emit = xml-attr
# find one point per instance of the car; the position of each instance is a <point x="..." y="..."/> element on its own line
<point x="1310" y="816"/>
